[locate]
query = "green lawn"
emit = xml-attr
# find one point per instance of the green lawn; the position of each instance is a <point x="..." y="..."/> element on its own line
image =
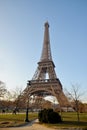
<point x="7" y="120"/>
<point x="72" y="116"/>
<point x="69" y="120"/>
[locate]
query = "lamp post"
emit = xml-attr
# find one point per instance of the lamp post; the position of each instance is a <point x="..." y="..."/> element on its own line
<point x="27" y="105"/>
<point x="27" y="119"/>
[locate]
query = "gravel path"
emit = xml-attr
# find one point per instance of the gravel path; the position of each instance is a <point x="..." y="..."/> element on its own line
<point x="35" y="126"/>
<point x="31" y="126"/>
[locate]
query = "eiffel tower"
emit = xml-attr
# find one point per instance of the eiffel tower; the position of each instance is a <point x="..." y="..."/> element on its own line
<point x="45" y="81"/>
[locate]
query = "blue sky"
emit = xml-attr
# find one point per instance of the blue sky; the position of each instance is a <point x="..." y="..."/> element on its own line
<point x="21" y="40"/>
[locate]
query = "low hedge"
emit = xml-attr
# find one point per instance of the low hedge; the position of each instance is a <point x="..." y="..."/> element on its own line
<point x="49" y="116"/>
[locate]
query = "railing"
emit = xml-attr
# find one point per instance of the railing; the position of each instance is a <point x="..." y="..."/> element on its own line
<point x="44" y="81"/>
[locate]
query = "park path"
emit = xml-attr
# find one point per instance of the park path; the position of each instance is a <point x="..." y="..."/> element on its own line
<point x="31" y="126"/>
<point x="34" y="125"/>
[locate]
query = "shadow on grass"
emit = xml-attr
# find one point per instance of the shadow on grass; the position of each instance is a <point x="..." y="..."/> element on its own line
<point x="69" y="124"/>
<point x="74" y="123"/>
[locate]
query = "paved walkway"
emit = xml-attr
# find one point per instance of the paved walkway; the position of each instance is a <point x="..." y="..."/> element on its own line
<point x="31" y="126"/>
<point x="35" y="126"/>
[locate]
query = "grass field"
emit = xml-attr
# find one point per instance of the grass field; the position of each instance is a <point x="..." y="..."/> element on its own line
<point x="8" y="120"/>
<point x="69" y="120"/>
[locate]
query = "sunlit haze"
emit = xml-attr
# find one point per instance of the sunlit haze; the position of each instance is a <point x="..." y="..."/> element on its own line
<point x="21" y="40"/>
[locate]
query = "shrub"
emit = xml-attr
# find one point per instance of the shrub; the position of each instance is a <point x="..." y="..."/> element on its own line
<point x="49" y="116"/>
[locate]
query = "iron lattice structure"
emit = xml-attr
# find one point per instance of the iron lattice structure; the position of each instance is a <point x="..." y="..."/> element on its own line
<point x="45" y="81"/>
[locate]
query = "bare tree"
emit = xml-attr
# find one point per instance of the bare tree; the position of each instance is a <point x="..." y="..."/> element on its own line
<point x="16" y="97"/>
<point x="3" y="89"/>
<point x="74" y="96"/>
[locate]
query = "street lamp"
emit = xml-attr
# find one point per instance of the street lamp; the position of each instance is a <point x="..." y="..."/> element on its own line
<point x="27" y="105"/>
<point x="27" y="118"/>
